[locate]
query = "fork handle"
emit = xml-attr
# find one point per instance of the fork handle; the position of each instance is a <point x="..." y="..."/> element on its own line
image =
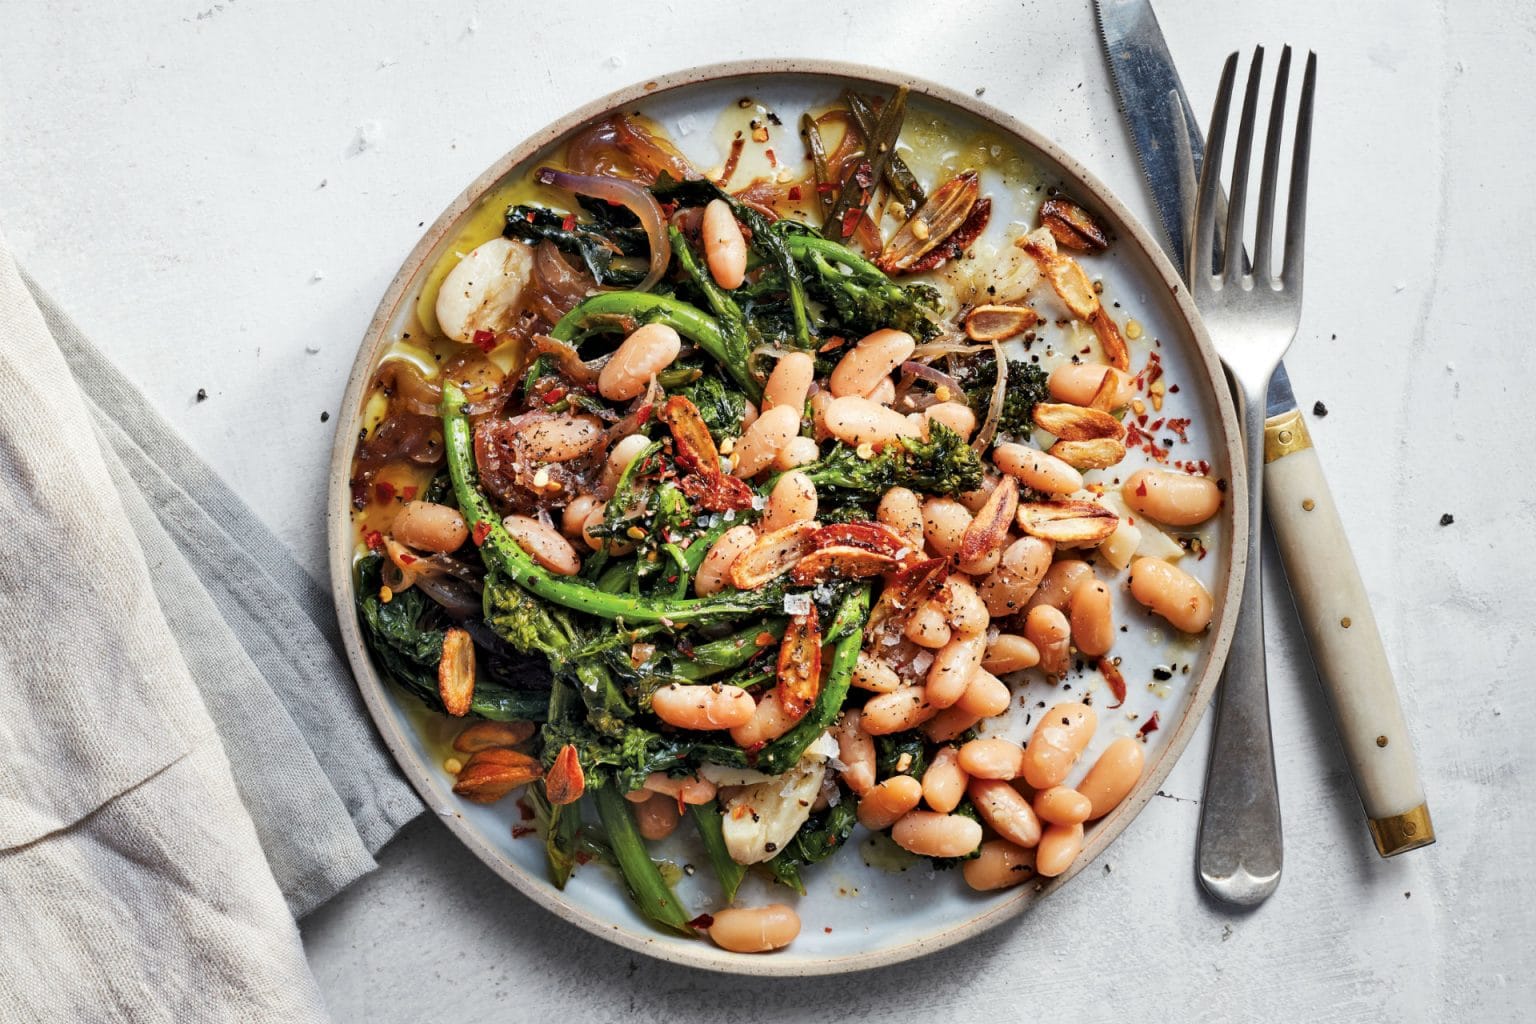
<point x="1240" y="847"/>
<point x="1346" y="647"/>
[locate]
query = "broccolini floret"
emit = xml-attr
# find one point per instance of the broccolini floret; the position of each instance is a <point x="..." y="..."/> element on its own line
<point x="943" y="464"/>
<point x="1026" y="387"/>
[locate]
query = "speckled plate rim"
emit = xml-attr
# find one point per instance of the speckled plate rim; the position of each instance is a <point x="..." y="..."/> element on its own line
<point x="428" y="779"/>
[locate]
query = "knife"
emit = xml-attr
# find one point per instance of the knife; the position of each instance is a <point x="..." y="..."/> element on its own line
<point x="1325" y="583"/>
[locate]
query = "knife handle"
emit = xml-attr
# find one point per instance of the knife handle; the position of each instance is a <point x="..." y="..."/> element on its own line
<point x="1346" y="646"/>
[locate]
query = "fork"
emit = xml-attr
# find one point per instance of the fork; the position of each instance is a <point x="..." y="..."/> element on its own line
<point x="1252" y="318"/>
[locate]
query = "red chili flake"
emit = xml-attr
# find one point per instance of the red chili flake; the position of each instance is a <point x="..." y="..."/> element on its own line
<point x="851" y="222"/>
<point x="524" y="811"/>
<point x="568" y="223"/>
<point x="485" y="340"/>
<point x="764" y="639"/>
<point x="1150" y="725"/>
<point x="482" y="531"/>
<point x="1173" y="389"/>
<point x="1156" y="424"/>
<point x="828" y="929"/>
<point x="518" y="831"/>
<point x="1179" y="425"/>
<point x="1205" y="467"/>
<point x="1114" y="679"/>
<point x="701" y="922"/>
<point x="528" y="216"/>
<point x="583" y="857"/>
<point x="794" y="193"/>
<point x="644" y="413"/>
<point x="406" y="559"/>
<point x="554" y="395"/>
<point x="384" y="490"/>
<point x="1141" y="489"/>
<point x="409" y="494"/>
<point x="374" y="539"/>
<point x="773" y="161"/>
<point x="825" y="188"/>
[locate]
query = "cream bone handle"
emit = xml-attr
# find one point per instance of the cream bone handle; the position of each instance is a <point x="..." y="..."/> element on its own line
<point x="1341" y="631"/>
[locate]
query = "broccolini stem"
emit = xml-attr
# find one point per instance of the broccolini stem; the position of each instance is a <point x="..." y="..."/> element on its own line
<point x="710" y="659"/>
<point x="728" y="317"/>
<point x="502" y="553"/>
<point x="706" y="818"/>
<point x="847" y="634"/>
<point x="650" y="891"/>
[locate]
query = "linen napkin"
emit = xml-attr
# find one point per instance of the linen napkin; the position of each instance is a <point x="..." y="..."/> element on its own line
<point x="185" y="762"/>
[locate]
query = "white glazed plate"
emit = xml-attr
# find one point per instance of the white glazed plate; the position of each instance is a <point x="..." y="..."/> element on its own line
<point x="865" y="906"/>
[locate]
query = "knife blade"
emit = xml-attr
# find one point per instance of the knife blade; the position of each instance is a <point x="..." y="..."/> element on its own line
<point x="1330" y="597"/>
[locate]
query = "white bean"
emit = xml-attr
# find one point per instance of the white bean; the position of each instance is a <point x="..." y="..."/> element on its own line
<point x="725" y="248"/>
<point x="855" y="420"/>
<point x="790" y="381"/>
<point x="762" y="441"/>
<point x="792" y="500"/>
<point x="544" y="544"/>
<point x="875" y="356"/>
<point x="645" y="353"/>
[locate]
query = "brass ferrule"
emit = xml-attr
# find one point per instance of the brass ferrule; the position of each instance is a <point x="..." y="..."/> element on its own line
<point x="1403" y="832"/>
<point x="1284" y="434"/>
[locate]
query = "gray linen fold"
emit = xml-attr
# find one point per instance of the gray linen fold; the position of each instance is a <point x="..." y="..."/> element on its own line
<point x="185" y="763"/>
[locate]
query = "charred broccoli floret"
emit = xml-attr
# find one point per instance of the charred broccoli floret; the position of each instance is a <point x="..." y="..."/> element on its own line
<point x="1026" y="387"/>
<point x="943" y="464"/>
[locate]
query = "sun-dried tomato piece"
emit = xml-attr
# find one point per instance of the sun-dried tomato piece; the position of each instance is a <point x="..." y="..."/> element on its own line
<point x="800" y="664"/>
<point x="718" y="493"/>
<point x="692" y="444"/>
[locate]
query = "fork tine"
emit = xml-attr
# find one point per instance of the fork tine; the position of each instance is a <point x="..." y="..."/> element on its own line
<point x="1203" y="242"/>
<point x="1264" y="239"/>
<point x="1233" y="239"/>
<point x="1296" y="202"/>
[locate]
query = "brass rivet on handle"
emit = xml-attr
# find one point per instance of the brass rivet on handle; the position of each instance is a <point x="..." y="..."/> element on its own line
<point x="1308" y="505"/>
<point x="1381" y="741"/>
<point x="1285" y="437"/>
<point x="1344" y="622"/>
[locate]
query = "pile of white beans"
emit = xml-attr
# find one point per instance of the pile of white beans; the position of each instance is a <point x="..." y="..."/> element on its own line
<point x="1014" y="600"/>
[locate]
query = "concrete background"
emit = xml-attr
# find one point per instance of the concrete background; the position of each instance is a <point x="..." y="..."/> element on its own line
<point x="219" y="192"/>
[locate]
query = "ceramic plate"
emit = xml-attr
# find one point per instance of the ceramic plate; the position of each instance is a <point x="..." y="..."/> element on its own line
<point x="870" y="905"/>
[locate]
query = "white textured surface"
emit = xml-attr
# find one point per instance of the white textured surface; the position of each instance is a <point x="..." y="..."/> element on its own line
<point x="213" y="189"/>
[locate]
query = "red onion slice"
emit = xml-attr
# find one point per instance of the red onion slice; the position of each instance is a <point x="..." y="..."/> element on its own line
<point x="629" y="195"/>
<point x="988" y="429"/>
<point x="938" y="378"/>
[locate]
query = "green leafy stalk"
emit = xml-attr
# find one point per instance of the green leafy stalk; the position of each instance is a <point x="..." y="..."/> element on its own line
<point x="562" y="833"/>
<point x="706" y="818"/>
<point x="646" y="886"/>
<point x="503" y="554"/>
<point x="406" y="638"/>
<point x="904" y="186"/>
<point x="845" y="634"/>
<point x="880" y="148"/>
<point x="728" y="315"/>
<point x="821" y="835"/>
